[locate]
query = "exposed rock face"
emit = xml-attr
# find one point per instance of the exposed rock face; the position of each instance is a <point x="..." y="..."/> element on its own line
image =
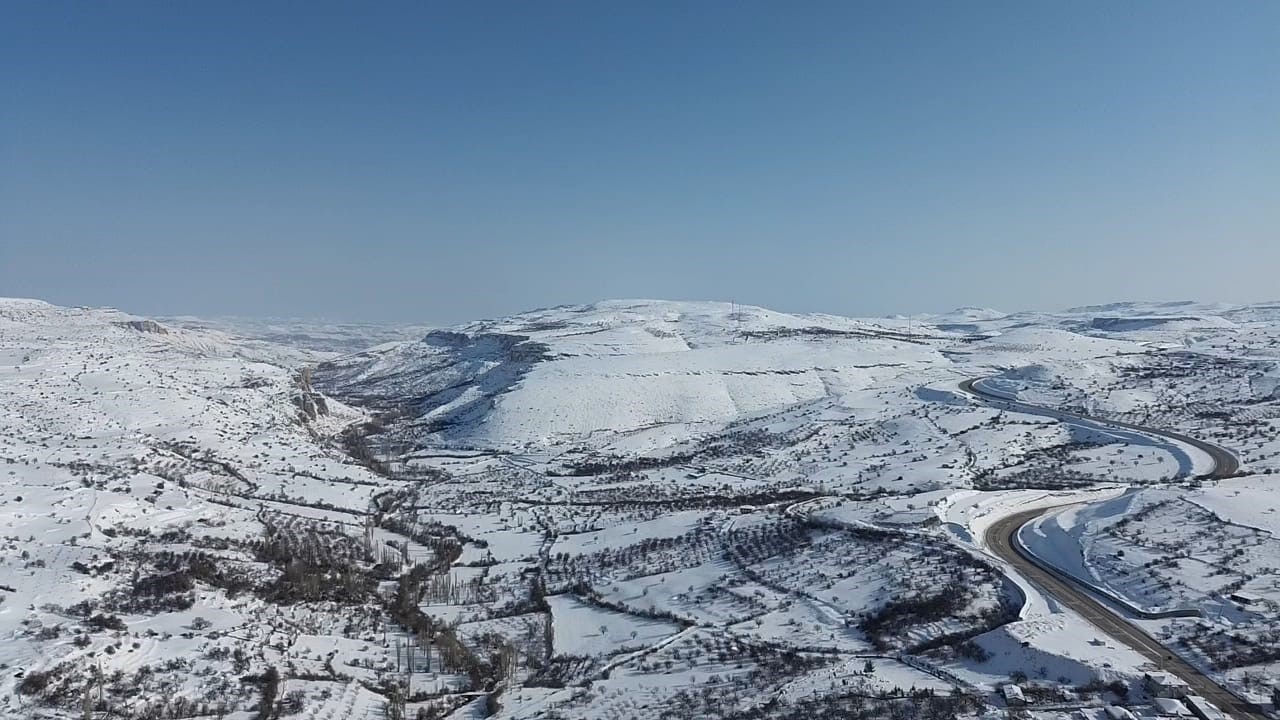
<point x="447" y="378"/>
<point x="149" y="326"/>
<point x="310" y="403"/>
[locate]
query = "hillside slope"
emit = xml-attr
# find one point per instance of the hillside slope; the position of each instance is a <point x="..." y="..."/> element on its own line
<point x="560" y="375"/>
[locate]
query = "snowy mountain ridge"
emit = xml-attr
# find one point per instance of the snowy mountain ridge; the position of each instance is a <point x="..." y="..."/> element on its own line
<point x="627" y="365"/>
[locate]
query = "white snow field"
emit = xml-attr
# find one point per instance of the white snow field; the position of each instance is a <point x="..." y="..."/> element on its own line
<point x="631" y="509"/>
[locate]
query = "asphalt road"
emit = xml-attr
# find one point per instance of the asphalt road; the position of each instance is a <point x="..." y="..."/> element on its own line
<point x="1002" y="538"/>
<point x="1224" y="463"/>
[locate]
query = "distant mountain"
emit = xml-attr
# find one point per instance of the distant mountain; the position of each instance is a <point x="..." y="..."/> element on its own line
<point x="318" y="336"/>
<point x="966" y="314"/>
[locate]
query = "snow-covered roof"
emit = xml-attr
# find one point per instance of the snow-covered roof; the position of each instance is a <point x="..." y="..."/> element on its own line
<point x="1172" y="707"/>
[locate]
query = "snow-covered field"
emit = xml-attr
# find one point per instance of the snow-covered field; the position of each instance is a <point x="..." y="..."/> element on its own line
<point x="633" y="508"/>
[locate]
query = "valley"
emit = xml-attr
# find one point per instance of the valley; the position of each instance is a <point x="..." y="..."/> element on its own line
<point x="636" y="509"/>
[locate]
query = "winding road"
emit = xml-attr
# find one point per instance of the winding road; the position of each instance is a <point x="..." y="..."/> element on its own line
<point x="1002" y="539"/>
<point x="1225" y="464"/>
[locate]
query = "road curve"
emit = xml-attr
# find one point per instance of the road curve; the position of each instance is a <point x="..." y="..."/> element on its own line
<point x="1002" y="539"/>
<point x="1225" y="464"/>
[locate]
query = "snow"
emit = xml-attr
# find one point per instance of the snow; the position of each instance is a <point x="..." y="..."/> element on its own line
<point x="728" y="491"/>
<point x="1058" y="647"/>
<point x="581" y="629"/>
<point x="620" y="536"/>
<point x="1250" y="501"/>
<point x="632" y="369"/>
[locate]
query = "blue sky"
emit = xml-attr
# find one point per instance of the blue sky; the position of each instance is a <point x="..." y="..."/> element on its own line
<point x="434" y="162"/>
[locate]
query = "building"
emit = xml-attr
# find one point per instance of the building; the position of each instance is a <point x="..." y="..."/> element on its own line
<point x="1171" y="707"/>
<point x="1013" y="696"/>
<point x="1204" y="709"/>
<point x="1245" y="598"/>
<point x="1164" y="685"/>
<point x="1115" y="712"/>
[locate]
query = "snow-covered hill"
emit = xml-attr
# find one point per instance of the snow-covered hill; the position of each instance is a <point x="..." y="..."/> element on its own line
<point x="627" y="509"/>
<point x="129" y="449"/>
<point x="560" y="375"/>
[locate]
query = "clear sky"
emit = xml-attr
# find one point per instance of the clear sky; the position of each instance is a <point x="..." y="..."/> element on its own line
<point x="434" y="162"/>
